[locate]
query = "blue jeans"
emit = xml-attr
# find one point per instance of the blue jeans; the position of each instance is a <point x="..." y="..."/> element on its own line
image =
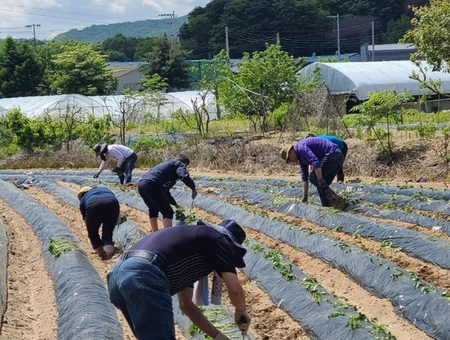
<point x="331" y="164"/>
<point x="141" y="291"/>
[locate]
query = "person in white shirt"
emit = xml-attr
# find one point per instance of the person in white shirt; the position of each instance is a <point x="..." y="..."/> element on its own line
<point x="124" y="156"/>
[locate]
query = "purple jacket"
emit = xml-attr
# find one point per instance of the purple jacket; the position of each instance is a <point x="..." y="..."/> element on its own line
<point x="311" y="151"/>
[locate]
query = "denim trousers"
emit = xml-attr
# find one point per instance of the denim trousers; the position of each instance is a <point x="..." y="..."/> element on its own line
<point x="128" y="166"/>
<point x="330" y="164"/>
<point x="141" y="291"/>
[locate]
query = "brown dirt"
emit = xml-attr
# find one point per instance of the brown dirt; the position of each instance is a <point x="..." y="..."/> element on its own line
<point x="31" y="309"/>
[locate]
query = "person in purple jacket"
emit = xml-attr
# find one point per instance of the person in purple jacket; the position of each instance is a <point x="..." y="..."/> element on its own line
<point x="154" y="188"/>
<point x="168" y="262"/>
<point x="100" y="207"/>
<point x="341" y="145"/>
<point x="323" y="156"/>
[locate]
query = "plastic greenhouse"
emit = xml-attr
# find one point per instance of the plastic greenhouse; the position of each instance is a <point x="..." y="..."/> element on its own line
<point x="361" y="77"/>
<point x="99" y="106"/>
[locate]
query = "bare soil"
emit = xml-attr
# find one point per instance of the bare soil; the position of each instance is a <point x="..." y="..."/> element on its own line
<point x="31" y="309"/>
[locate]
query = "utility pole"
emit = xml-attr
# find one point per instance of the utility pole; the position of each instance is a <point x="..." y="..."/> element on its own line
<point x="373" y="41"/>
<point x="338" y="34"/>
<point x="34" y="33"/>
<point x="171" y="15"/>
<point x="227" y="47"/>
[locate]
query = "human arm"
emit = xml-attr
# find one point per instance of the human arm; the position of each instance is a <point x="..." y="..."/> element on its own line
<point x="171" y="199"/>
<point x="194" y="314"/>
<point x="305" y="188"/>
<point x="237" y="298"/>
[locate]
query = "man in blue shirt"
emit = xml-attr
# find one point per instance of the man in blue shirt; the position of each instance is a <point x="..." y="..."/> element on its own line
<point x="326" y="160"/>
<point x="100" y="207"/>
<point x="154" y="188"/>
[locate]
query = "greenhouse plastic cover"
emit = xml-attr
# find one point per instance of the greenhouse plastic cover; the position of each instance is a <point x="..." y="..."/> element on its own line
<point x="55" y="105"/>
<point x="359" y="78"/>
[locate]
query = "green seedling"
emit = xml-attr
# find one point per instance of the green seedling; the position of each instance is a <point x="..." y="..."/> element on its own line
<point x="312" y="286"/>
<point x="57" y="247"/>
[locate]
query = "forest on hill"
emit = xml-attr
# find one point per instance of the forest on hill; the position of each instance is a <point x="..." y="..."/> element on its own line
<point x="302" y="27"/>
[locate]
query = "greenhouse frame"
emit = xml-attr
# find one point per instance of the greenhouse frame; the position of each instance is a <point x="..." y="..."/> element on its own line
<point x="360" y="78"/>
<point x="99" y="106"/>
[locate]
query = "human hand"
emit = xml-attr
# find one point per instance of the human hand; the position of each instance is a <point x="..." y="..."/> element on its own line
<point x="96" y="175"/>
<point x="194" y="194"/>
<point x="323" y="183"/>
<point x="242" y="320"/>
<point x="305" y="199"/>
<point x="221" y="336"/>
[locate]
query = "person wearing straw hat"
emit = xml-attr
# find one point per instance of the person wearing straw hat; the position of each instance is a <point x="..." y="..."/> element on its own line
<point x="100" y="207"/>
<point x="123" y="155"/>
<point x="326" y="160"/>
<point x="154" y="188"/>
<point x="169" y="261"/>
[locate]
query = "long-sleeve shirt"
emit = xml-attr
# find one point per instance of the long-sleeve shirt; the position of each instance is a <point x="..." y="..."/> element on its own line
<point x="117" y="152"/>
<point x="334" y="139"/>
<point x="311" y="151"/>
<point x="93" y="194"/>
<point x="167" y="173"/>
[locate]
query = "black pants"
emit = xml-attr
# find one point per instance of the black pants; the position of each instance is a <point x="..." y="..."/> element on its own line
<point x="128" y="166"/>
<point x="340" y="174"/>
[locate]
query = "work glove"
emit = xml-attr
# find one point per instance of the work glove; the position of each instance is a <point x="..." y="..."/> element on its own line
<point x="305" y="199"/>
<point x="323" y="184"/>
<point x="194" y="194"/>
<point x="242" y="320"/>
<point x="221" y="336"/>
<point x="96" y="175"/>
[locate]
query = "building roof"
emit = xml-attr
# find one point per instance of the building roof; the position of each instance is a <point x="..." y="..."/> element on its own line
<point x="359" y="78"/>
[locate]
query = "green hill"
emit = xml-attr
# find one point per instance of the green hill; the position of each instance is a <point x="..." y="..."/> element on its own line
<point x="141" y="29"/>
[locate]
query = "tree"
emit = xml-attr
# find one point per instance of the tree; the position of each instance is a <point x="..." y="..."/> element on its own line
<point x="395" y="29"/>
<point x="80" y="69"/>
<point x="119" y="48"/>
<point x="430" y="34"/>
<point x="211" y="73"/>
<point x="167" y="59"/>
<point x="385" y="106"/>
<point x="20" y="72"/>
<point x="264" y="82"/>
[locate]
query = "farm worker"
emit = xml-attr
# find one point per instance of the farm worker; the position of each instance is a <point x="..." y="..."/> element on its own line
<point x="325" y="158"/>
<point x="100" y="207"/>
<point x="168" y="262"/>
<point x="341" y="145"/>
<point x="125" y="157"/>
<point x="154" y="188"/>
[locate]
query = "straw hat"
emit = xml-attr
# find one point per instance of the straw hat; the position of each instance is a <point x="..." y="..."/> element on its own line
<point x="82" y="191"/>
<point x="285" y="153"/>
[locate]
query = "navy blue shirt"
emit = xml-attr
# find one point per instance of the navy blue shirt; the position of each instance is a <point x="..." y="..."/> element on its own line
<point x="189" y="253"/>
<point x="93" y="194"/>
<point x="167" y="173"/>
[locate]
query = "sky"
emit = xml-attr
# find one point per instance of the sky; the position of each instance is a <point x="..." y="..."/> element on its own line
<point x="45" y="19"/>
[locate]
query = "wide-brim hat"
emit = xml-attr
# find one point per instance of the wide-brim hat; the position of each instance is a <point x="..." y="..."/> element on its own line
<point x="284" y="153"/>
<point x="100" y="148"/>
<point x="237" y="235"/>
<point x="82" y="191"/>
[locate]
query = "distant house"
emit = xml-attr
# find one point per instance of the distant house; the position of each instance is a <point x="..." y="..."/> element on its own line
<point x="129" y="75"/>
<point x="386" y="52"/>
